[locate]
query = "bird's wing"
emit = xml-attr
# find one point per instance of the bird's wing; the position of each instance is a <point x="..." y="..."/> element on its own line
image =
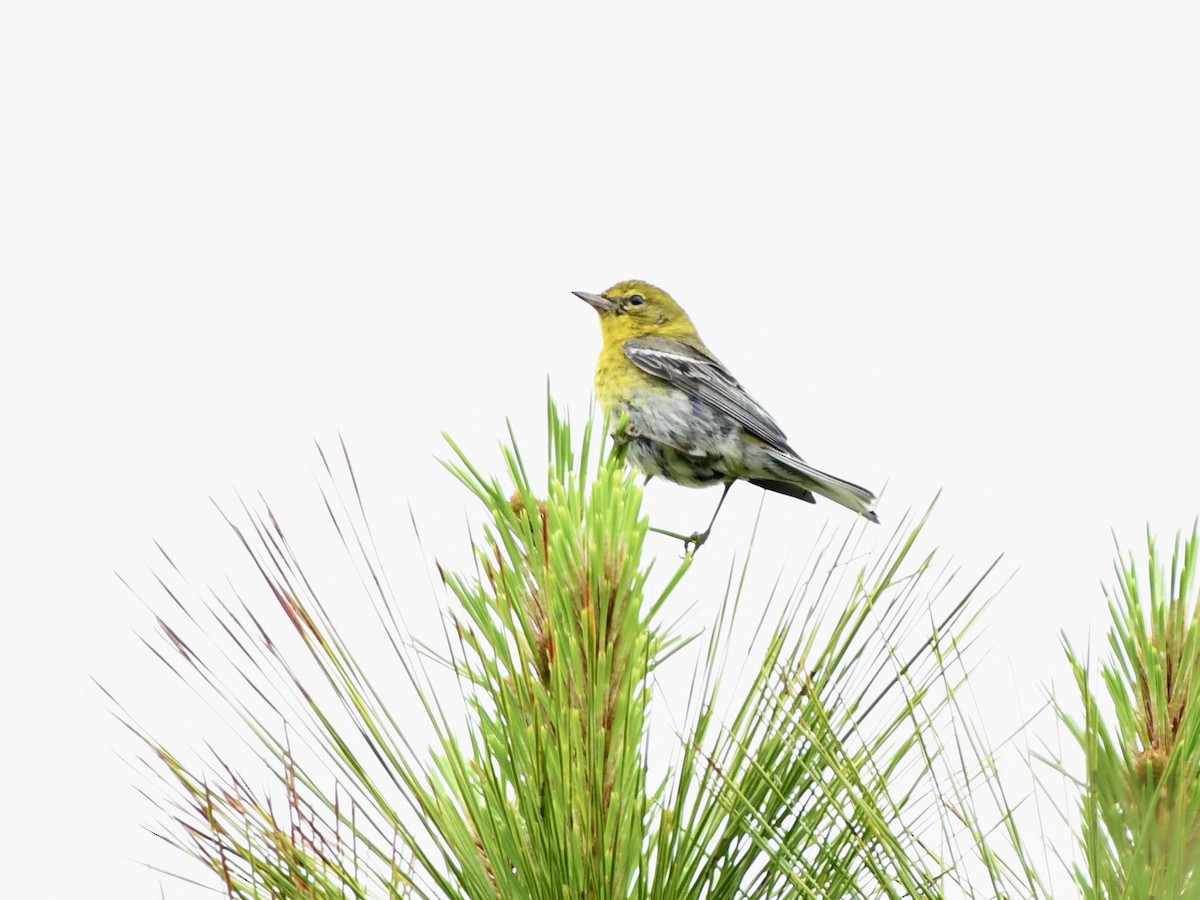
<point x="701" y="375"/>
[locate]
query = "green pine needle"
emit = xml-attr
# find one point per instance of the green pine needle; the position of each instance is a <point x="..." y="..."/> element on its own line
<point x="840" y="764"/>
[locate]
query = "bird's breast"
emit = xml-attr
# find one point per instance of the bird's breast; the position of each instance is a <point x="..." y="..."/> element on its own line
<point x="619" y="382"/>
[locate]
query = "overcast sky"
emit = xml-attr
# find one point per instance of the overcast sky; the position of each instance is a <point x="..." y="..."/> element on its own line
<point x="949" y="246"/>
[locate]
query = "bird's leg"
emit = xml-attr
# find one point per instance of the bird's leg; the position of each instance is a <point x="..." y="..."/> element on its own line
<point x="693" y="542"/>
<point x="698" y="539"/>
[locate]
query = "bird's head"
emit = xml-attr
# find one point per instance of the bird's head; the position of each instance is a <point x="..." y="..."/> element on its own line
<point x="632" y="308"/>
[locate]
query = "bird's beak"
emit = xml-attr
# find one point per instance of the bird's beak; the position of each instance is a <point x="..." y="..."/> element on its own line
<point x="598" y="303"/>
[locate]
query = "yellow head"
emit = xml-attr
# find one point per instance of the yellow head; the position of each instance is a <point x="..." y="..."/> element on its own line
<point x="632" y="308"/>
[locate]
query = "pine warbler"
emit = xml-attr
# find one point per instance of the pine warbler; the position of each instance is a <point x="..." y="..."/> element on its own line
<point x="689" y="420"/>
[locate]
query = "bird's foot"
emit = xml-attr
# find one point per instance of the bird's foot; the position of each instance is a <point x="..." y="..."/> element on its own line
<point x="691" y="542"/>
<point x="696" y="541"/>
<point x="624" y="436"/>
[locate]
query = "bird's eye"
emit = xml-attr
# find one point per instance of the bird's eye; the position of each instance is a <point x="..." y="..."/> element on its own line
<point x="637" y="300"/>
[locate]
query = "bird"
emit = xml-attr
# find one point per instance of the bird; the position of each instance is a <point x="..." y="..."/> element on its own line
<point x="687" y="419"/>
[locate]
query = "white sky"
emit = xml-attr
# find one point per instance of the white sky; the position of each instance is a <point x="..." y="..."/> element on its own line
<point x="947" y="245"/>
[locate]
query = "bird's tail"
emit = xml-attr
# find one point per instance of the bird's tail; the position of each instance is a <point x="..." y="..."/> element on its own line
<point x="800" y="476"/>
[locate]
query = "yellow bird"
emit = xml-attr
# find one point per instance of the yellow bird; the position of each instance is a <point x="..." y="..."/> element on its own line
<point x="689" y="420"/>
